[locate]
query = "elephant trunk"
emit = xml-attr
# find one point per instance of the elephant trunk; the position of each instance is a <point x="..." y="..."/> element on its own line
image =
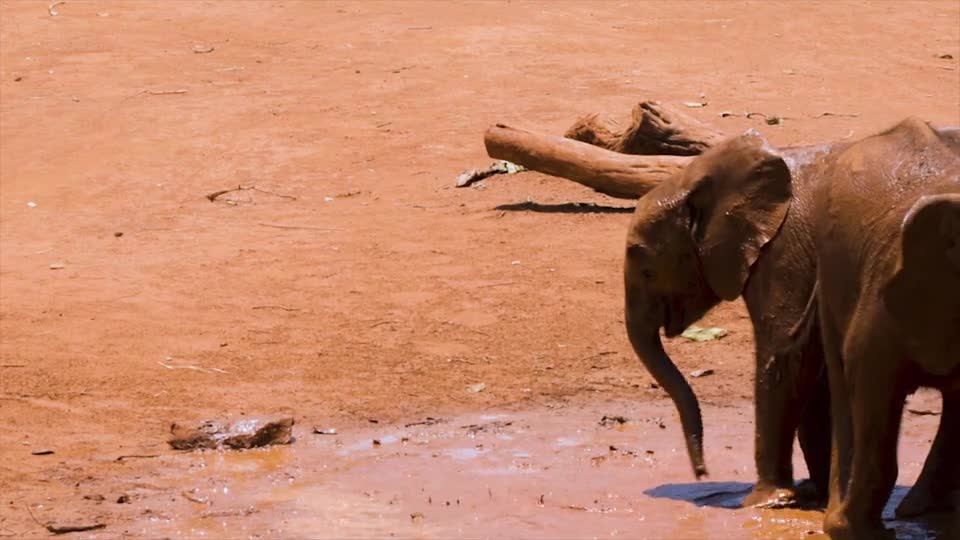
<point x="643" y="329"/>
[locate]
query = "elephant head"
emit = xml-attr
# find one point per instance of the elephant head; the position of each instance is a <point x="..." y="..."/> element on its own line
<point x="692" y="242"/>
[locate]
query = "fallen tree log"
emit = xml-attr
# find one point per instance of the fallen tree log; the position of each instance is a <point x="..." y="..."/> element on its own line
<point x="654" y="129"/>
<point x="658" y="143"/>
<point x="615" y="174"/>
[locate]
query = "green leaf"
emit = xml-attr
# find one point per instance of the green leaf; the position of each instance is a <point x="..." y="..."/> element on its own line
<point x="695" y="333"/>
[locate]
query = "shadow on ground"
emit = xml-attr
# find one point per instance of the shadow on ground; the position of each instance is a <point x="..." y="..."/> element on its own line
<point x="712" y="494"/>
<point x="565" y="208"/>
<point x="730" y="495"/>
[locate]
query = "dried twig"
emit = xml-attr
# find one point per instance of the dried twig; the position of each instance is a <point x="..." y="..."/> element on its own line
<point x="12" y="365"/>
<point x="499" y="284"/>
<point x="156" y="93"/>
<point x="828" y="113"/>
<point x="52" y="8"/>
<point x="195" y="368"/>
<point x="213" y="196"/>
<point x="239" y="512"/>
<point x="164" y="92"/>
<point x="306" y="227"/>
<point x="136" y="456"/>
<point x="381" y="323"/>
<point x="199" y="500"/>
<point x="63" y="529"/>
<point x="285" y="308"/>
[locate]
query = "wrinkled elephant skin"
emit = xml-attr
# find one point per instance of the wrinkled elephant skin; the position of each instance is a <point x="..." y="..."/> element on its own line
<point x="888" y="250"/>
<point x="738" y="222"/>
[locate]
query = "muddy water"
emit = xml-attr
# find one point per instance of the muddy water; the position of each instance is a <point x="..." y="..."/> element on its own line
<point x="533" y="474"/>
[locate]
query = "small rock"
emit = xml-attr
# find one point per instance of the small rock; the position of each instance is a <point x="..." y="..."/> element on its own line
<point x="416" y="516"/>
<point x="476" y="388"/>
<point x="202" y="48"/>
<point x="376" y="442"/>
<point x="609" y="421"/>
<point x="945" y="56"/>
<point x="57" y="266"/>
<point x="123" y="499"/>
<point x="18" y="79"/>
<point x="697" y="373"/>
<point x="117" y="234"/>
<point x="694" y="104"/>
<point x="32" y="204"/>
<point x="41" y="452"/>
<point x="325" y="431"/>
<point x="247" y="433"/>
<point x="514" y="262"/>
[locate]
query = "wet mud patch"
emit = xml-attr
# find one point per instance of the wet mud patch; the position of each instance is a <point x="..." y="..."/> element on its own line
<point x="551" y="473"/>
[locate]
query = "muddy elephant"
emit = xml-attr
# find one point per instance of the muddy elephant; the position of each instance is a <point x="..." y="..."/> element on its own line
<point x="887" y="237"/>
<point x="737" y="221"/>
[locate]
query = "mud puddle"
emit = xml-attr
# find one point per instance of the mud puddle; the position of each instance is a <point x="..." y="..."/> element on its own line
<point x="532" y="474"/>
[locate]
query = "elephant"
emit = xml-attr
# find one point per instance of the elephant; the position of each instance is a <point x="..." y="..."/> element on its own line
<point x="887" y="239"/>
<point x="737" y="221"/>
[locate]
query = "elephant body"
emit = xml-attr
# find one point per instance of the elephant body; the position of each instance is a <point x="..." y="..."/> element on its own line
<point x="887" y="237"/>
<point x="737" y="222"/>
<point x="740" y="220"/>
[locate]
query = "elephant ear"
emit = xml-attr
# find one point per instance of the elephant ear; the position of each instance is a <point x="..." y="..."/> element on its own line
<point x="737" y="204"/>
<point x="923" y="295"/>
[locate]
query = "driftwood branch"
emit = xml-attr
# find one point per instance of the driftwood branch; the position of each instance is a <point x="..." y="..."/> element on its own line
<point x="654" y="129"/>
<point x="622" y="163"/>
<point x="611" y="173"/>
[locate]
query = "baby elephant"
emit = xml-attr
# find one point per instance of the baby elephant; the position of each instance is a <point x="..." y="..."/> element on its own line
<point x="887" y="236"/>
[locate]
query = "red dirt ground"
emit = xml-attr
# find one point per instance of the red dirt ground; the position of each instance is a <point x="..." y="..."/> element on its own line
<point x="373" y="289"/>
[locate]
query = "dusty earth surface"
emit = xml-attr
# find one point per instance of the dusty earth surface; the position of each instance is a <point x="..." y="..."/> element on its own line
<point x="351" y="286"/>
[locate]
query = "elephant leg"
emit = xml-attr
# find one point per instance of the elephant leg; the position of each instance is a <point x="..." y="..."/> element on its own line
<point x="814" y="435"/>
<point x="841" y="440"/>
<point x="872" y="377"/>
<point x="941" y="472"/>
<point x="777" y="415"/>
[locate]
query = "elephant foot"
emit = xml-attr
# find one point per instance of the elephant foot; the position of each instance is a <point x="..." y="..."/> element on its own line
<point x="922" y="500"/>
<point x="810" y="495"/>
<point x="837" y="527"/>
<point x="771" y="497"/>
